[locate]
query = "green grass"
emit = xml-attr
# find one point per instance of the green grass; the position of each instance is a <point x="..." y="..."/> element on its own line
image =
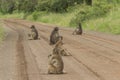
<point x="57" y="19"/>
<point x="60" y="19"/>
<point x="108" y="24"/>
<point x="15" y="15"/>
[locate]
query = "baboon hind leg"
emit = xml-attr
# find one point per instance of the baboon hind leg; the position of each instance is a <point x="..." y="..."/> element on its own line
<point x="64" y="53"/>
<point x="52" y="69"/>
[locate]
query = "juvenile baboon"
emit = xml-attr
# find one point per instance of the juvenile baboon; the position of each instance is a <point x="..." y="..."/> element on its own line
<point x="54" y="36"/>
<point x="34" y="33"/>
<point x="78" y="31"/>
<point x="59" y="47"/>
<point x="56" y="64"/>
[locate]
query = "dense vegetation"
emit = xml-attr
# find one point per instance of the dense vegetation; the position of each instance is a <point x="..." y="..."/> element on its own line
<point x="99" y="15"/>
<point x="8" y="6"/>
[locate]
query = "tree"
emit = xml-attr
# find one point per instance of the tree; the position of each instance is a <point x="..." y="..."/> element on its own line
<point x="26" y="5"/>
<point x="88" y="2"/>
<point x="7" y="6"/>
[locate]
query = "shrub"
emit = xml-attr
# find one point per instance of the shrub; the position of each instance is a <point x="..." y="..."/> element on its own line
<point x="87" y="13"/>
<point x="35" y="15"/>
<point x="43" y="5"/>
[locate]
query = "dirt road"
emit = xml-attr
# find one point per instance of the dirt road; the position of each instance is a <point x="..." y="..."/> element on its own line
<point x="95" y="56"/>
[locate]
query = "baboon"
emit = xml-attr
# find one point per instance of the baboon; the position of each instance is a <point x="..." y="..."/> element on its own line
<point x="78" y="31"/>
<point x="56" y="64"/>
<point x="34" y="33"/>
<point x="54" y="36"/>
<point x="59" y="47"/>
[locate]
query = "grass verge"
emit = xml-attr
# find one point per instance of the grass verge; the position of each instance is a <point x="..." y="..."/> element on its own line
<point x="108" y="24"/>
<point x="14" y="15"/>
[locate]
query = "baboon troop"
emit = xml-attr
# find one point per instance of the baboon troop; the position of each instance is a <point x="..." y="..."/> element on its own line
<point x="78" y="30"/>
<point x="56" y="64"/>
<point x="34" y="33"/>
<point x="54" y="36"/>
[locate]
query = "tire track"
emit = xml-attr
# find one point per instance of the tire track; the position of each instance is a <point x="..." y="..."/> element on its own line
<point x="21" y="61"/>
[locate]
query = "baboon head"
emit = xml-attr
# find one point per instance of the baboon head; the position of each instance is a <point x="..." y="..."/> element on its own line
<point x="32" y="27"/>
<point x="56" y="29"/>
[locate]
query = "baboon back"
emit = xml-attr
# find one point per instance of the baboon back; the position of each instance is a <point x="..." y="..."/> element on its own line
<point x="34" y="34"/>
<point x="79" y="31"/>
<point x="55" y="64"/>
<point x="54" y="37"/>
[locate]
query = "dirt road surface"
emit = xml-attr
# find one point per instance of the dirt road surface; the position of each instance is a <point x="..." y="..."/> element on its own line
<point x="94" y="56"/>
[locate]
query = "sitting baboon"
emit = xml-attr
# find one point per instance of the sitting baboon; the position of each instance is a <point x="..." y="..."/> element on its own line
<point x="78" y="31"/>
<point x="34" y="33"/>
<point x="54" y="36"/>
<point x="56" y="64"/>
<point x="59" y="47"/>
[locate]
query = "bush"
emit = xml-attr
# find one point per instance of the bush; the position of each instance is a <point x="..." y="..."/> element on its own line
<point x="43" y="5"/>
<point x="56" y="5"/>
<point x="87" y="13"/>
<point x="35" y="15"/>
<point x="25" y="15"/>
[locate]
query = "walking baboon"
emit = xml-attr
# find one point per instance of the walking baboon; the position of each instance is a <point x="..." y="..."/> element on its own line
<point x="78" y="31"/>
<point x="59" y="47"/>
<point x="54" y="36"/>
<point x="56" y="64"/>
<point x="34" y="33"/>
